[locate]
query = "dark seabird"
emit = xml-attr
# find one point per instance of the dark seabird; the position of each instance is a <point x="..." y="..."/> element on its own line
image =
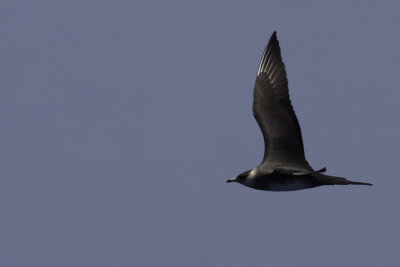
<point x="284" y="167"/>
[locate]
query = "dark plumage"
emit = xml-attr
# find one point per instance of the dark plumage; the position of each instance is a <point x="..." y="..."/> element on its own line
<point x="284" y="167"/>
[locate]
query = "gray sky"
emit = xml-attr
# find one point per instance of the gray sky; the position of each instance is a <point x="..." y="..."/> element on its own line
<point x="122" y="120"/>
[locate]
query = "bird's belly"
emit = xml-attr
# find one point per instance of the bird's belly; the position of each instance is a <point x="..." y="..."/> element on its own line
<point x="289" y="185"/>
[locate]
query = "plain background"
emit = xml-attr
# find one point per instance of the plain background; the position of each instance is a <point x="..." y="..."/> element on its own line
<point x="121" y="121"/>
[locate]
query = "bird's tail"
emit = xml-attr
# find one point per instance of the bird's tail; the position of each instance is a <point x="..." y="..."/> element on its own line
<point x="361" y="183"/>
<point x="332" y="180"/>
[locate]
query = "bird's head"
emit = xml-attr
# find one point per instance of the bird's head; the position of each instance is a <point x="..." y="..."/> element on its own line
<point x="241" y="178"/>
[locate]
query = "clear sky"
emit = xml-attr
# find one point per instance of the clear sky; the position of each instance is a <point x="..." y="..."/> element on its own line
<point x="121" y="121"/>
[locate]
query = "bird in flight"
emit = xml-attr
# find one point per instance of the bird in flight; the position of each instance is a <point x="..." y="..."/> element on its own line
<point x="284" y="167"/>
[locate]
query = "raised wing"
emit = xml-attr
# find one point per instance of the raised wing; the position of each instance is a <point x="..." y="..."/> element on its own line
<point x="274" y="112"/>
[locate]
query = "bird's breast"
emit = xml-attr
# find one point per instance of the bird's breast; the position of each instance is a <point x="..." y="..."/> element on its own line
<point x="291" y="185"/>
<point x="283" y="183"/>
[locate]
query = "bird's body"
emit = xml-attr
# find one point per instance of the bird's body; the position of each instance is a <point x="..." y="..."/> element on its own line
<point x="286" y="181"/>
<point x="284" y="167"/>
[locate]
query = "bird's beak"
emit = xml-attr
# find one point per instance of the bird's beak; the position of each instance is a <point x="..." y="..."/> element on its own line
<point x="231" y="180"/>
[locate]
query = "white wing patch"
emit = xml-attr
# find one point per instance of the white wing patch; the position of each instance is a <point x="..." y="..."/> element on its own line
<point x="252" y="173"/>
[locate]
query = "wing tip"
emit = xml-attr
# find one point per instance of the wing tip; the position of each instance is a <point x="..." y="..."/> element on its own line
<point x="273" y="41"/>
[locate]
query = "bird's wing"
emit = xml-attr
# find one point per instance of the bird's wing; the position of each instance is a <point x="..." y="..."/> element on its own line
<point x="274" y="112"/>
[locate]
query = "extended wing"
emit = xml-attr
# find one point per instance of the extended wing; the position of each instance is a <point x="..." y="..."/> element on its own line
<point x="274" y="112"/>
